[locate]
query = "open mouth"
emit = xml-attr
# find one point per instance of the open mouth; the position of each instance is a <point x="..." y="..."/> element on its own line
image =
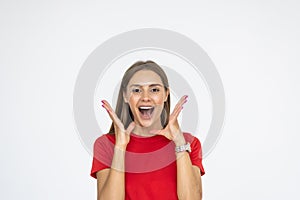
<point x="146" y="111"/>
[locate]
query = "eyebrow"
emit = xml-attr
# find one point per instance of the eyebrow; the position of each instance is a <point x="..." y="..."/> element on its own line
<point x="151" y="85"/>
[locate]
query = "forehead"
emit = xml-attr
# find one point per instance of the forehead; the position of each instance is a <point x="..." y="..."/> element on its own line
<point x="143" y="77"/>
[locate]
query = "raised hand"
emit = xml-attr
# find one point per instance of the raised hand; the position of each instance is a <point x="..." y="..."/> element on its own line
<point x="172" y="130"/>
<point x="122" y="135"/>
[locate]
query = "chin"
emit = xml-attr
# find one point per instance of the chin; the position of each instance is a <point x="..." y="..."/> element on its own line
<point x="145" y="124"/>
<point x="149" y="123"/>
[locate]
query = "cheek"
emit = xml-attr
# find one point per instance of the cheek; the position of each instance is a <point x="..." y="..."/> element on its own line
<point x="133" y="100"/>
<point x="158" y="99"/>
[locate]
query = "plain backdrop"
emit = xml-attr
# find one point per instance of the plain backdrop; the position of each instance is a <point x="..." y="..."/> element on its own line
<point x="254" y="45"/>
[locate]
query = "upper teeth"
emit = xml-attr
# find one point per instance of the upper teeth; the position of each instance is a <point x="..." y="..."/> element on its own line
<point x="145" y="107"/>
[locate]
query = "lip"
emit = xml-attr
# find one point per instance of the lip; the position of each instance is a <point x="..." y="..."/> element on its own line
<point x="146" y="107"/>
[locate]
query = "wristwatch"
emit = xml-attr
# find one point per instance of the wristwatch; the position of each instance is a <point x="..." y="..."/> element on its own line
<point x="186" y="147"/>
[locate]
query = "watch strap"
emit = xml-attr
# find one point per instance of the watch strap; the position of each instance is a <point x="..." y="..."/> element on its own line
<point x="182" y="148"/>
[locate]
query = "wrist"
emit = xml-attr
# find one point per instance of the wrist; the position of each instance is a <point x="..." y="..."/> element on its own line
<point x="120" y="147"/>
<point x="179" y="140"/>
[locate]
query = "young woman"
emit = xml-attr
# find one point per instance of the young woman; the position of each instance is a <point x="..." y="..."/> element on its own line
<point x="145" y="155"/>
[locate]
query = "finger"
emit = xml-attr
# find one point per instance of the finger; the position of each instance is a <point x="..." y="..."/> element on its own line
<point x="181" y="101"/>
<point x="106" y="105"/>
<point x="130" y="127"/>
<point x="108" y="108"/>
<point x="179" y="107"/>
<point x="112" y="114"/>
<point x="176" y="112"/>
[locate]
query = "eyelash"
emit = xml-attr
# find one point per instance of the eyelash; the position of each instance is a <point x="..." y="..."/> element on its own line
<point x="137" y="90"/>
<point x="157" y="90"/>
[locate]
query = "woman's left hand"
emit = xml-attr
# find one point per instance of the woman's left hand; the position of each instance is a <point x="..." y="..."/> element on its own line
<point x="172" y="130"/>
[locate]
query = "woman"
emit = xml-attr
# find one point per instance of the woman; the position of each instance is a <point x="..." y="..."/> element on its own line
<point x="145" y="155"/>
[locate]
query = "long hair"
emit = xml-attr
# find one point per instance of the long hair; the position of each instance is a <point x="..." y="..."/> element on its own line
<point x="123" y="110"/>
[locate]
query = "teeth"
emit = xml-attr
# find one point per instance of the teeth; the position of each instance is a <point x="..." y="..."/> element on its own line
<point x="145" y="107"/>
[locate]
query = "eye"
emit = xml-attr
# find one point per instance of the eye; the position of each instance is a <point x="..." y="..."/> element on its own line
<point x="136" y="90"/>
<point x="155" y="90"/>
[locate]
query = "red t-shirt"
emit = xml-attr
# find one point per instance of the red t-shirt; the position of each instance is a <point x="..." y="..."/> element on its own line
<point x="150" y="164"/>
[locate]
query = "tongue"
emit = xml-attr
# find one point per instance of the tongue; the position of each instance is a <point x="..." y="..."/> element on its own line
<point x="146" y="113"/>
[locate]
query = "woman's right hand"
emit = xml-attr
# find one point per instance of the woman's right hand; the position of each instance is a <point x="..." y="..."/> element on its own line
<point x="122" y="135"/>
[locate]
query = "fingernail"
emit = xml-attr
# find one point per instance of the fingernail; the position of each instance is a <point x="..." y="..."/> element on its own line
<point x="102" y="101"/>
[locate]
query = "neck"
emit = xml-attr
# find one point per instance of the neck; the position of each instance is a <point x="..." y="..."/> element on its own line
<point x="144" y="131"/>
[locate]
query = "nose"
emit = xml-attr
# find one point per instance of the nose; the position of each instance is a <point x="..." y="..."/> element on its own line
<point x="145" y="96"/>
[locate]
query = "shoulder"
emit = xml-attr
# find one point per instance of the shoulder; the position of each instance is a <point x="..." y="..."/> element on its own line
<point x="190" y="138"/>
<point x="107" y="136"/>
<point x="194" y="141"/>
<point x="105" y="140"/>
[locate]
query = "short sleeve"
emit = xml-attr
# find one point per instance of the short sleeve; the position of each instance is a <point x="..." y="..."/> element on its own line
<point x="102" y="154"/>
<point x="196" y="154"/>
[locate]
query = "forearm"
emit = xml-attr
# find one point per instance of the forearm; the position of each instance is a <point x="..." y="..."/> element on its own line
<point x="189" y="185"/>
<point x="114" y="187"/>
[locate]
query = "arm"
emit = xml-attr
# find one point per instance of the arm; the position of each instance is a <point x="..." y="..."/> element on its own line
<point x="189" y="185"/>
<point x="111" y="182"/>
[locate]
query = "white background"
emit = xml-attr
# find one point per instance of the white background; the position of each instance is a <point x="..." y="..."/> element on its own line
<point x="254" y="45"/>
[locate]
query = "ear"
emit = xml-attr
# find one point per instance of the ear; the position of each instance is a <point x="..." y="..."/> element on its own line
<point x="167" y="94"/>
<point x="125" y="98"/>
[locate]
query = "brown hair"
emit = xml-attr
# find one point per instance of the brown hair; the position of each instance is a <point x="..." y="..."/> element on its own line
<point x="122" y="108"/>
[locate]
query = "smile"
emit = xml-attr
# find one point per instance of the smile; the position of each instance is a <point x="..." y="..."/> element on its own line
<point x="146" y="111"/>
